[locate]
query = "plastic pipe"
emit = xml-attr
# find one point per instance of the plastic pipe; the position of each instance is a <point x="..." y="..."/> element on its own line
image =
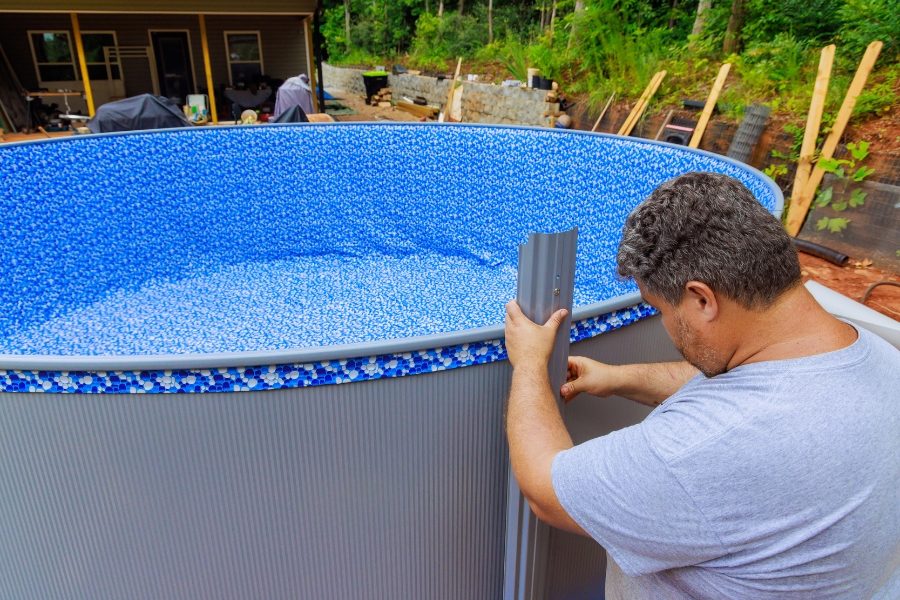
<point x="832" y="256"/>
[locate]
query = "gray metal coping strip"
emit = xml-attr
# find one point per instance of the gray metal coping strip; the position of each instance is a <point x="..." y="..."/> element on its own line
<point x="37" y="362"/>
<point x="45" y="362"/>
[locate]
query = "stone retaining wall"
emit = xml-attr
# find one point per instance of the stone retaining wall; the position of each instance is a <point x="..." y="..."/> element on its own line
<point x="481" y="102"/>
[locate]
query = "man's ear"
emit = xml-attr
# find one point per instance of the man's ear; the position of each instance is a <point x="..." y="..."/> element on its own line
<point x="700" y="301"/>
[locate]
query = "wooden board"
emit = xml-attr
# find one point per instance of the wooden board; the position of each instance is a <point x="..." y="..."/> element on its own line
<point x="799" y="208"/>
<point x="813" y="121"/>
<point x="642" y="103"/>
<point x="415" y="109"/>
<point x="710" y="105"/>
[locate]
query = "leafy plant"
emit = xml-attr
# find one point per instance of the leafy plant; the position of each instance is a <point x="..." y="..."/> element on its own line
<point x="848" y="174"/>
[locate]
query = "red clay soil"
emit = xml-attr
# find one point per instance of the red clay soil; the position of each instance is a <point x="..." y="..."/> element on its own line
<point x="853" y="280"/>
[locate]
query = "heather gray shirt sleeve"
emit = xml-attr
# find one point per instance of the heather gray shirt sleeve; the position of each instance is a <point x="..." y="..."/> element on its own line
<point x="621" y="493"/>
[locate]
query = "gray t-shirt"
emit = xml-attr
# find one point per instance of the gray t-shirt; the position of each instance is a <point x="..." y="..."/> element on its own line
<point x="777" y="479"/>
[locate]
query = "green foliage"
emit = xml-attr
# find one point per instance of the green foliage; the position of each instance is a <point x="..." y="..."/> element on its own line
<point x="617" y="45"/>
<point x="863" y="21"/>
<point x="847" y="172"/>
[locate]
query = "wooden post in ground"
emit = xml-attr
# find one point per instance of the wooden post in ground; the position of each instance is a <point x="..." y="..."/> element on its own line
<point x="813" y="121"/>
<point x="639" y="108"/>
<point x="445" y="114"/>
<point x="213" y="114"/>
<point x="710" y="105"/>
<point x="798" y="209"/>
<point x="603" y="112"/>
<point x="82" y="63"/>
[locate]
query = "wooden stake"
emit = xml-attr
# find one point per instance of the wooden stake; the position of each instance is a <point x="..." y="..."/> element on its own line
<point x="603" y="112"/>
<point x="665" y="122"/>
<point x="445" y="114"/>
<point x="710" y="105"/>
<point x="813" y="121"/>
<point x="798" y="209"/>
<point x="641" y="105"/>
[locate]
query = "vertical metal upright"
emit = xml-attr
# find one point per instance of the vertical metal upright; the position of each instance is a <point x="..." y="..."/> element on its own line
<point x="546" y="284"/>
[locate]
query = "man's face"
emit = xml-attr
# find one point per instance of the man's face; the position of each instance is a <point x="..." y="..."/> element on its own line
<point x="692" y="340"/>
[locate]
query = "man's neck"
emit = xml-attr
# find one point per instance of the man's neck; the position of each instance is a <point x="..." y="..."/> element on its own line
<point x="794" y="326"/>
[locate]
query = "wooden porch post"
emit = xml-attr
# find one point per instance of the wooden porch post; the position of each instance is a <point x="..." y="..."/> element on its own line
<point x="311" y="65"/>
<point x="82" y="63"/>
<point x="206" y="67"/>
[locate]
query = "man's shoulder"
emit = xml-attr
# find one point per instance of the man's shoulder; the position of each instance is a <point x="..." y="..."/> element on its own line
<point x="703" y="412"/>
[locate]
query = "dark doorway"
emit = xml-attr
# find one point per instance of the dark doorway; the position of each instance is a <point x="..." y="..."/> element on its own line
<point x="173" y="64"/>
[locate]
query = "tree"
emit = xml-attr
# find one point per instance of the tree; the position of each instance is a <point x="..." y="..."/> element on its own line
<point x="347" y="22"/>
<point x="490" y="21"/>
<point x="461" y="6"/>
<point x="441" y="8"/>
<point x="733" y="31"/>
<point x="700" y="19"/>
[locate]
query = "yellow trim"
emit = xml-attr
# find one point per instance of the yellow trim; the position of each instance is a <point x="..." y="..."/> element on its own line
<point x="208" y="69"/>
<point x="82" y="63"/>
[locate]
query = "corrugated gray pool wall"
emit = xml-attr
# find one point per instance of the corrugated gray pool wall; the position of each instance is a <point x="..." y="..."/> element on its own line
<point x="388" y="489"/>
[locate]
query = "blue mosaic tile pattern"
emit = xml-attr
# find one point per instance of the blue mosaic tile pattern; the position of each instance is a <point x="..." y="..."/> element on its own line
<point x="273" y="377"/>
<point x="282" y="237"/>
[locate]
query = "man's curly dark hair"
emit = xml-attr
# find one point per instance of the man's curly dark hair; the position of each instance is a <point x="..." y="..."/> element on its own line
<point x="709" y="228"/>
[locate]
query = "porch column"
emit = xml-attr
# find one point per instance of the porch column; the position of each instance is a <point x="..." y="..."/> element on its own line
<point x="82" y="63"/>
<point x="311" y="65"/>
<point x="206" y="67"/>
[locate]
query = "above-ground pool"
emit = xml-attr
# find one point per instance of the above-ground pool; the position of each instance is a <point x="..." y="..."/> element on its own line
<point x="274" y="262"/>
<point x="289" y="243"/>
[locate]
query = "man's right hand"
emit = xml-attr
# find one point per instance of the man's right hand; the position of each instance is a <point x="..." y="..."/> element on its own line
<point x="591" y="376"/>
<point x="648" y="384"/>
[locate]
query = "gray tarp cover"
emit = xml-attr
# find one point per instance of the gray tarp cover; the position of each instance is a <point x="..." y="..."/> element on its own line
<point x="294" y="114"/>
<point x="295" y="91"/>
<point x="140" y="112"/>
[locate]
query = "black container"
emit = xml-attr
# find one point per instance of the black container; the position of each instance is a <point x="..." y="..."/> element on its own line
<point x="374" y="84"/>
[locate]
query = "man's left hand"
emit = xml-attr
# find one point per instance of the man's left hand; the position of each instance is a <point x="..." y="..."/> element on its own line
<point x="527" y="343"/>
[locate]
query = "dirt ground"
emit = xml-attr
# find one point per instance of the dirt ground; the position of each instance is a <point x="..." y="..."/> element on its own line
<point x="851" y="280"/>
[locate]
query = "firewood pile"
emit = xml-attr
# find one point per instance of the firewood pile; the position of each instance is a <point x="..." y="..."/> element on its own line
<point x="382" y="98"/>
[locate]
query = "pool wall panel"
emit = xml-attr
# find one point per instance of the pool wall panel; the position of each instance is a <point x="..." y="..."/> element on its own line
<point x="394" y="488"/>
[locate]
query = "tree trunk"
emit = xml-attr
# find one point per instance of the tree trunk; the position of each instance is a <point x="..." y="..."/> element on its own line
<point x="490" y="21"/>
<point x="579" y="9"/>
<point x="672" y="14"/>
<point x="700" y="19"/>
<point x="462" y="4"/>
<point x="735" y="23"/>
<point x="427" y="6"/>
<point x="441" y="8"/>
<point x="552" y="20"/>
<point x="347" y="22"/>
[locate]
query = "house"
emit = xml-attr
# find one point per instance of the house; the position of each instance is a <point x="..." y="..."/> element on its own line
<point x="109" y="50"/>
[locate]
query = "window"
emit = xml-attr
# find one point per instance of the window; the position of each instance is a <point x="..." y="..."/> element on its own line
<point x="95" y="56"/>
<point x="52" y="51"/>
<point x="54" y="57"/>
<point x="245" y="60"/>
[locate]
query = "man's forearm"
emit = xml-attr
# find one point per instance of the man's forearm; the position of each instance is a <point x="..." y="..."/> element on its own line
<point x="534" y="425"/>
<point x="536" y="434"/>
<point x="652" y="383"/>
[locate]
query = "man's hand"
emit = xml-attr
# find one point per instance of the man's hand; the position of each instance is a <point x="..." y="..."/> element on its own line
<point x="527" y="343"/>
<point x="586" y="375"/>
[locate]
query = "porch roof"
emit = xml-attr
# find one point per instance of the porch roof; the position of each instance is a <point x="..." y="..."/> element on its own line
<point x="209" y="7"/>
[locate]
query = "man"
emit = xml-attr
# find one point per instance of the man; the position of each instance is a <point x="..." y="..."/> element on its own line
<point x="770" y="468"/>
